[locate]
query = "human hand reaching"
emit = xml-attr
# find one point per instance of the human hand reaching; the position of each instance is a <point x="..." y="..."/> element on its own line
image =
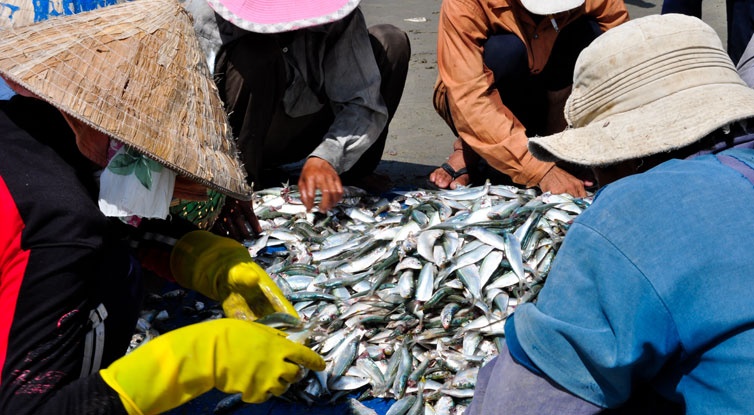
<point x="318" y="174"/>
<point x="237" y="220"/>
<point x="558" y="181"/>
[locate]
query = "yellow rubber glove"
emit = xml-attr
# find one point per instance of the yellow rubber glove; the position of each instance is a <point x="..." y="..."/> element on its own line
<point x="222" y="269"/>
<point x="230" y="355"/>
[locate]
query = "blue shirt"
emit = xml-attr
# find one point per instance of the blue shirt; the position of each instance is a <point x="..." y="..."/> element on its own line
<point x="654" y="283"/>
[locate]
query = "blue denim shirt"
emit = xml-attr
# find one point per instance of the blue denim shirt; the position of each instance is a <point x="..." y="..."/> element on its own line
<point x="331" y="64"/>
<point x="653" y="283"/>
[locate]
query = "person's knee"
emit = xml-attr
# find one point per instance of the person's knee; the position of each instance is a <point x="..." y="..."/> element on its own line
<point x="393" y="42"/>
<point x="392" y="52"/>
<point x="506" y="56"/>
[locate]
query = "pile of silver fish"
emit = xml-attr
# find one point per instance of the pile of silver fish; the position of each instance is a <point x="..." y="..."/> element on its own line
<point x="406" y="295"/>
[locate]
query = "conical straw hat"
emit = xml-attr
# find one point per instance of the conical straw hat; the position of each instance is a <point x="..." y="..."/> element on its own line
<point x="135" y="72"/>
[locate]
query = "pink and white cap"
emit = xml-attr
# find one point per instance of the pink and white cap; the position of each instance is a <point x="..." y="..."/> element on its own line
<point x="275" y="16"/>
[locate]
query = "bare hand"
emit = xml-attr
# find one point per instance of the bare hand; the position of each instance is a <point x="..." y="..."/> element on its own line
<point x="558" y="181"/>
<point x="318" y="174"/>
<point x="237" y="220"/>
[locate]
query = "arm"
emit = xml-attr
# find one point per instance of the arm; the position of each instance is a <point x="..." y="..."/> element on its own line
<point x="222" y="269"/>
<point x="481" y="118"/>
<point x="607" y="13"/>
<point x="352" y="84"/>
<point x="230" y="355"/>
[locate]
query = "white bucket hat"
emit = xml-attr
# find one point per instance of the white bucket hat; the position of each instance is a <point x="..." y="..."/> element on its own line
<point x="548" y="7"/>
<point x="650" y="85"/>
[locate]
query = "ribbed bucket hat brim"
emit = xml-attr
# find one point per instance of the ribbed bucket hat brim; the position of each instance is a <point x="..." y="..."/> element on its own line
<point x="135" y="72"/>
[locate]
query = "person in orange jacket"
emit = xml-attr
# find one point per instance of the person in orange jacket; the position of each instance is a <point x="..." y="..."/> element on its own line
<point x="116" y="116"/>
<point x="505" y="71"/>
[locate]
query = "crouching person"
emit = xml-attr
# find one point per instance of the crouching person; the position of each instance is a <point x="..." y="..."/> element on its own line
<point x="630" y="304"/>
<point x="115" y="116"/>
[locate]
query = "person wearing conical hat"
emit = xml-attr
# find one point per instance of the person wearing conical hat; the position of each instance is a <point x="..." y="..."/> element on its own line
<point x="306" y="81"/>
<point x="116" y="114"/>
<point x="505" y="68"/>
<point x="648" y="307"/>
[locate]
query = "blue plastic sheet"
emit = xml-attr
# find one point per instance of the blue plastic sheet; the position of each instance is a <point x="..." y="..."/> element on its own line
<point x="5" y="91"/>
<point x="207" y="404"/>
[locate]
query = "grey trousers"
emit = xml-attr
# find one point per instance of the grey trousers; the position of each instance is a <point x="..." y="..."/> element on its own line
<point x="505" y="387"/>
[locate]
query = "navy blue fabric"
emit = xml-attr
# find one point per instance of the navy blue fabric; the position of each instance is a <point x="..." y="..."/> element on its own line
<point x="687" y="7"/>
<point x="521" y="91"/>
<point x="740" y="26"/>
<point x="740" y="21"/>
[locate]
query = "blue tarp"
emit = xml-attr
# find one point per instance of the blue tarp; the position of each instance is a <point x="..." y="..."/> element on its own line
<point x="208" y="403"/>
<point x="5" y="91"/>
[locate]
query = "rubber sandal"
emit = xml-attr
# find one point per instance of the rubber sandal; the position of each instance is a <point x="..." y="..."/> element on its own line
<point x="452" y="172"/>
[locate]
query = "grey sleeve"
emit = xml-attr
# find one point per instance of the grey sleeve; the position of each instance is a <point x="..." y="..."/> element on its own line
<point x="352" y="84"/>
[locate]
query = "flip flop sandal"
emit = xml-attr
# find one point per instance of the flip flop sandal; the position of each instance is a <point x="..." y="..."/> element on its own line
<point x="452" y="172"/>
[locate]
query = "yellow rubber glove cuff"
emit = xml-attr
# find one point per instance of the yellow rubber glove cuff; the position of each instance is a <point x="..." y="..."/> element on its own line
<point x="230" y="355"/>
<point x="222" y="269"/>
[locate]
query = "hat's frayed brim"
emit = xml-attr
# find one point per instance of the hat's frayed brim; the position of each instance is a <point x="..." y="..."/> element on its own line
<point x="548" y="7"/>
<point x="670" y="123"/>
<point x="276" y="16"/>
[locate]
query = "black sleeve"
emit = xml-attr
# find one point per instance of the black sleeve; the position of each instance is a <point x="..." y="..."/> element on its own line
<point x="86" y="396"/>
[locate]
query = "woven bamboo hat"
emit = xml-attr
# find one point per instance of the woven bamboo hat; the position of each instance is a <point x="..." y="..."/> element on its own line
<point x="275" y="16"/>
<point x="651" y="85"/>
<point x="133" y="71"/>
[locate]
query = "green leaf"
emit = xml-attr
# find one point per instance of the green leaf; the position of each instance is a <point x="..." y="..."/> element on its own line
<point x="122" y="164"/>
<point x="143" y="173"/>
<point x="152" y="165"/>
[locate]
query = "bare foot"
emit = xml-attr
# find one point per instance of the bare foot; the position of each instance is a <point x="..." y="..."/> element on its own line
<point x="454" y="172"/>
